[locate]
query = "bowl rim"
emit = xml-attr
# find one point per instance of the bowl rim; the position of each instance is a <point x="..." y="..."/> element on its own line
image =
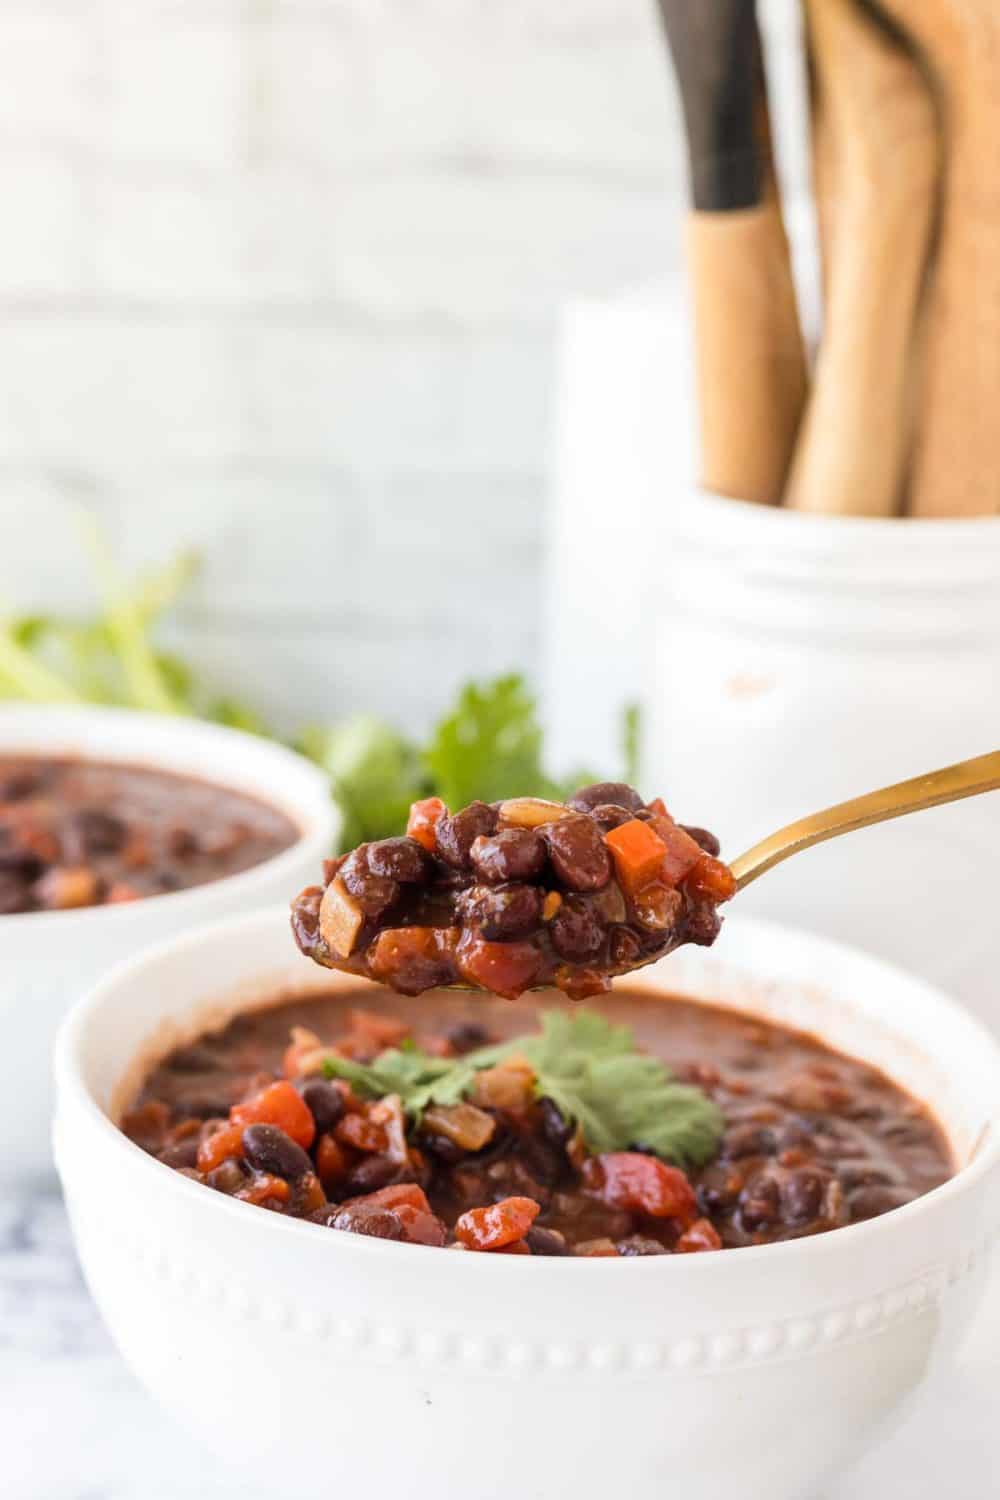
<point x="308" y="803"/>
<point x="73" y="1091"/>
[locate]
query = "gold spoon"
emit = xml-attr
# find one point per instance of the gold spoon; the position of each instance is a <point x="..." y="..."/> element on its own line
<point x="967" y="779"/>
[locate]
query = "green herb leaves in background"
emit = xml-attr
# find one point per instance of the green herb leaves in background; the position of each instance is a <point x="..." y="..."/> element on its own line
<point x="592" y="1070"/>
<point x="488" y="746"/>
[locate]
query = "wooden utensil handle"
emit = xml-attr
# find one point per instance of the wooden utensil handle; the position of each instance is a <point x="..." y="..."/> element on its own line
<point x="751" y="365"/>
<point x="882" y="151"/>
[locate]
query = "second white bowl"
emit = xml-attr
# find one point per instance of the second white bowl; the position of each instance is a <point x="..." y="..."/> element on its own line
<point x="49" y="959"/>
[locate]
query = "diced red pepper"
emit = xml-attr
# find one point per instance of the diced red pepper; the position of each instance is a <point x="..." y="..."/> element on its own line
<point x="420" y="1228"/>
<point x="407" y="1193"/>
<point x="638" y="853"/>
<point x="226" y="1142"/>
<point x="681" y="852"/>
<point x="264" y="1187"/>
<point x="423" y="821"/>
<point x="641" y="1184"/>
<point x="332" y="1162"/>
<point x="279" y="1104"/>
<point x="411" y="959"/>
<point x="361" y="1133"/>
<point x="508" y="969"/>
<point x="496" y="1225"/>
<point x="702" y="1235"/>
<point x="712" y="879"/>
<point x="382" y="1031"/>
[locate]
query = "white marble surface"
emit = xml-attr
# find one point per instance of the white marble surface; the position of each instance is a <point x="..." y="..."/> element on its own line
<point x="74" y="1425"/>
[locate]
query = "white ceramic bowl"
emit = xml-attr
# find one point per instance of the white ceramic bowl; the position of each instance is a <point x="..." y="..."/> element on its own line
<point x="342" y="1364"/>
<point x="49" y="959"/>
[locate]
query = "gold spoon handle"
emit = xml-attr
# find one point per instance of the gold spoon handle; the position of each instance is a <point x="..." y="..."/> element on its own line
<point x="967" y="779"/>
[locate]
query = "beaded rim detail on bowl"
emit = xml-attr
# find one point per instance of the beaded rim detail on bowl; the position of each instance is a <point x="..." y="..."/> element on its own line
<point x="740" y="1348"/>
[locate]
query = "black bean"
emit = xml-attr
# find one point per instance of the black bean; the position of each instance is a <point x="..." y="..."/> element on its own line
<point x="879" y="1198"/>
<point x="443" y="1149"/>
<point x="608" y="816"/>
<point x="400" y="859"/>
<point x="546" y="1241"/>
<point x="193" y="1059"/>
<point x="863" y="1174"/>
<point x="574" y="932"/>
<point x="589" y="797"/>
<point x="802" y="1194"/>
<point x="227" y="1177"/>
<point x="325" y="1101"/>
<point x="555" y="1126"/>
<point x="703" y="839"/>
<point x="702" y="924"/>
<point x="502" y="911"/>
<point x="361" y="1218"/>
<point x="717" y="1192"/>
<point x="269" y="1149"/>
<point x="372" y="1173"/>
<point x="373" y="893"/>
<point x="624" y="948"/>
<point x="97" y="831"/>
<point x="640" y="1244"/>
<point x="455" y="834"/>
<point x="182" y="1153"/>
<point x="578" y="853"/>
<point x="21" y="782"/>
<point x="748" y="1140"/>
<point x="466" y="1036"/>
<point x="13" y="895"/>
<point x="511" y="854"/>
<point x="760" y="1203"/>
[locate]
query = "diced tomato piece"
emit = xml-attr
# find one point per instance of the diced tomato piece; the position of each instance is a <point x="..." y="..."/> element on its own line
<point x="519" y="1247"/>
<point x="423" y="821"/>
<point x="497" y="1224"/>
<point x="332" y="1162"/>
<point x="263" y="1187"/>
<point x="226" y="1142"/>
<point x="508" y="969"/>
<point x="641" y="1184"/>
<point x="658" y="806"/>
<point x="411" y="959"/>
<point x="682" y="853"/>
<point x="384" y="1031"/>
<point x="420" y="1228"/>
<point x="638" y="853"/>
<point x="278" y="1104"/>
<point x="713" y="879"/>
<point x="702" y="1235"/>
<point x="361" y="1133"/>
<point x="407" y="1193"/>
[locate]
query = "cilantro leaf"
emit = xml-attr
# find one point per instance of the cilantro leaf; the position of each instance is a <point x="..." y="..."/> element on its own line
<point x="490" y="746"/>
<point x="375" y="772"/>
<point x="587" y="1066"/>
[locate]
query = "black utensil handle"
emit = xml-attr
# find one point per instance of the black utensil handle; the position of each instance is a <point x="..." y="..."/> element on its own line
<point x="716" y="52"/>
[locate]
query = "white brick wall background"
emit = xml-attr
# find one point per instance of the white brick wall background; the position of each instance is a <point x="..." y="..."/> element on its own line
<point x="280" y="278"/>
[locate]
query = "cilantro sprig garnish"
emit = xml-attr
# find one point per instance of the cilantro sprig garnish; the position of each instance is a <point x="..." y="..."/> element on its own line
<point x="591" y="1069"/>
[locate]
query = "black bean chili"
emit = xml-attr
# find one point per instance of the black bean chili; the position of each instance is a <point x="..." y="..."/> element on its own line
<point x="76" y="833"/>
<point x="518" y="894"/>
<point x="813" y="1140"/>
